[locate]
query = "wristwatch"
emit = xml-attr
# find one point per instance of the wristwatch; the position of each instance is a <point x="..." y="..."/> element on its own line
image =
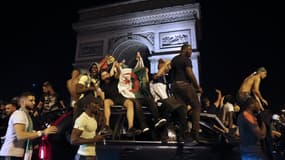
<point x="40" y="133"/>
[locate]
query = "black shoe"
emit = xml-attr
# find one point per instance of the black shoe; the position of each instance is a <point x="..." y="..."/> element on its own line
<point x="107" y="131"/>
<point x="179" y="139"/>
<point x="160" y="123"/>
<point x="194" y="136"/>
<point x="165" y="139"/>
<point x="133" y="132"/>
<point x="191" y="141"/>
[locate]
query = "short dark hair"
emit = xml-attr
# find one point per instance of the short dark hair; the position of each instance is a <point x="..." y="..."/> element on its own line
<point x="229" y="98"/>
<point x="249" y="102"/>
<point x="185" y="46"/>
<point x="261" y="69"/>
<point x="89" y="98"/>
<point x="46" y="83"/>
<point x="27" y="93"/>
<point x="83" y="102"/>
<point x="15" y="101"/>
<point x="91" y="66"/>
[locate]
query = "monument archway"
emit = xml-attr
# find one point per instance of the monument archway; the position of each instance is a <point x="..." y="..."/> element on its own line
<point x="127" y="47"/>
<point x="157" y="29"/>
<point x="127" y="51"/>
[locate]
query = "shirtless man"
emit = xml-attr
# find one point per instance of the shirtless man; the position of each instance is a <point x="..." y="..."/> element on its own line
<point x="250" y="87"/>
<point x="71" y="86"/>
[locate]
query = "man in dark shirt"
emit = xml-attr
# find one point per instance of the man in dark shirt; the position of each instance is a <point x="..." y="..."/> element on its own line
<point x="51" y="105"/>
<point x="184" y="85"/>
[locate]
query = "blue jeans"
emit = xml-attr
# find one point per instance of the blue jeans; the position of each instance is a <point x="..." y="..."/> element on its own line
<point x="252" y="153"/>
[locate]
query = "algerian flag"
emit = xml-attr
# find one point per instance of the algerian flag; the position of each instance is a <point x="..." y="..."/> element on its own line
<point x="133" y="83"/>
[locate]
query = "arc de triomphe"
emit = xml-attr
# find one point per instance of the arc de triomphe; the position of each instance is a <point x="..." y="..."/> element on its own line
<point x="155" y="28"/>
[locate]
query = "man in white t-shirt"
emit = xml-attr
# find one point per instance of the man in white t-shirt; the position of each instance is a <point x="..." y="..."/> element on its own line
<point x="85" y="127"/>
<point x="228" y="110"/>
<point x="20" y="131"/>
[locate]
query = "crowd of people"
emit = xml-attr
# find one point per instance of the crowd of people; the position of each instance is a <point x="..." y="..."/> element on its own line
<point x="173" y="93"/>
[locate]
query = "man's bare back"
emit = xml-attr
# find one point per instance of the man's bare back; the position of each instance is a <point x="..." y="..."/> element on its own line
<point x="71" y="85"/>
<point x="250" y="85"/>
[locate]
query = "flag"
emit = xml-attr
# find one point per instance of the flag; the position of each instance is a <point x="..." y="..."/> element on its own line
<point x="104" y="64"/>
<point x="133" y="83"/>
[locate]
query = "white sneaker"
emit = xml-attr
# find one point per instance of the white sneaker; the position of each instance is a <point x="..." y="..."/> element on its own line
<point x="145" y="130"/>
<point x="160" y="123"/>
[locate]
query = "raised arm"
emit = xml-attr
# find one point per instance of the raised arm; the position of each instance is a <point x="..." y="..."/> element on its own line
<point x="115" y="70"/>
<point x="163" y="70"/>
<point x="218" y="101"/>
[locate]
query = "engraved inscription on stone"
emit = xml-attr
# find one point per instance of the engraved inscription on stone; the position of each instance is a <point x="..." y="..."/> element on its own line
<point x="93" y="49"/>
<point x="174" y="39"/>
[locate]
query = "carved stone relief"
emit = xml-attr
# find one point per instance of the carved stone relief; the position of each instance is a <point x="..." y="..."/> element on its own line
<point x="157" y="32"/>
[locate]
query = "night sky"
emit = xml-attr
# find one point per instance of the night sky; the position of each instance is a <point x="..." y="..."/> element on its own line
<point x="38" y="44"/>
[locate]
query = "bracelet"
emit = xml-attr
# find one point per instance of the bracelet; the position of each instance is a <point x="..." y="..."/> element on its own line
<point x="40" y="133"/>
